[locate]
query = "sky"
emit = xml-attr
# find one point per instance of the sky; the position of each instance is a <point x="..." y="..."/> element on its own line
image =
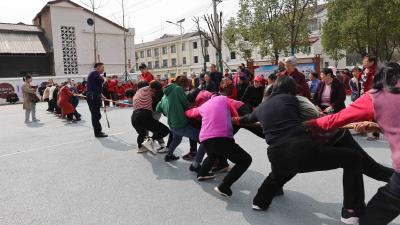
<point x="148" y="17"/>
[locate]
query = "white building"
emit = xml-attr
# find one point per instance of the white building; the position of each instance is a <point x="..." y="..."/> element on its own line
<point x="172" y="54"/>
<point x="69" y="29"/>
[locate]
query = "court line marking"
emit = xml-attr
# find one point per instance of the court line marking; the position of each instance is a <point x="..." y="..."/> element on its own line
<point x="57" y="145"/>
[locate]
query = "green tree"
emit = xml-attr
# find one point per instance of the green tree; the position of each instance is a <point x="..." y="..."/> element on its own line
<point x="362" y="26"/>
<point x="271" y="25"/>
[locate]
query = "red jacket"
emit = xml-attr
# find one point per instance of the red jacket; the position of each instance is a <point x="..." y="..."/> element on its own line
<point x="300" y="79"/>
<point x="64" y="101"/>
<point x="112" y="85"/>
<point x="147" y="77"/>
<point x="368" y="78"/>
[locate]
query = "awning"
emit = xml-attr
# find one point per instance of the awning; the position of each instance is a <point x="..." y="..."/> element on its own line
<point x="21" y="43"/>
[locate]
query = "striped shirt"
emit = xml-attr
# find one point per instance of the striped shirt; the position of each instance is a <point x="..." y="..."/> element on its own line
<point x="143" y="99"/>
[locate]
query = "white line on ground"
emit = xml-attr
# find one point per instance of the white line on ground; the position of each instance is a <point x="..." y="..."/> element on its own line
<point x="57" y="145"/>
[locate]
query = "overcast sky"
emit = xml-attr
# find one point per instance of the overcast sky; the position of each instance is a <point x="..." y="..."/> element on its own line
<point x="146" y="16"/>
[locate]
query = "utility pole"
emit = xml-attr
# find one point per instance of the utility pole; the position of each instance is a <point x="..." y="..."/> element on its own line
<point x="179" y="48"/>
<point x="125" y="56"/>
<point x="94" y="32"/>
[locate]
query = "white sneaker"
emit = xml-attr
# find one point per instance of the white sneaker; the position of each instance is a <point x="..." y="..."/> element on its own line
<point x="142" y="150"/>
<point x="149" y="144"/>
<point x="162" y="150"/>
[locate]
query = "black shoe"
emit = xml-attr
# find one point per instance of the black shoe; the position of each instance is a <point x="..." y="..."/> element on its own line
<point x="279" y="192"/>
<point x="226" y="192"/>
<point x="350" y="217"/>
<point x="78" y="119"/>
<point x="221" y="169"/>
<point x="208" y="176"/>
<point x="189" y="156"/>
<point x="169" y="158"/>
<point x="194" y="169"/>
<point x="101" y="135"/>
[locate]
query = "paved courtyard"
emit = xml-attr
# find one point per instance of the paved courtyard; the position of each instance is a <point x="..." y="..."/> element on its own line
<point x="54" y="173"/>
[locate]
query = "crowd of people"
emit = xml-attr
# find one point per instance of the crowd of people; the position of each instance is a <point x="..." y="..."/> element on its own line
<point x="300" y="124"/>
<point x="300" y="121"/>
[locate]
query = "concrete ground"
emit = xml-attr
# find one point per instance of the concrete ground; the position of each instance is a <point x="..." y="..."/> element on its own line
<point x="55" y="173"/>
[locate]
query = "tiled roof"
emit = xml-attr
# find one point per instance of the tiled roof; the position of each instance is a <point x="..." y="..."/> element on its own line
<point x="165" y="39"/>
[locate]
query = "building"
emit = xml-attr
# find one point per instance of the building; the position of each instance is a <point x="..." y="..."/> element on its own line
<point x="23" y="50"/>
<point x="69" y="30"/>
<point x="176" y="54"/>
<point x="172" y="54"/>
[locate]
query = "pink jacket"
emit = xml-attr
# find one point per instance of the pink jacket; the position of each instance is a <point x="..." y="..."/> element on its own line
<point x="216" y="118"/>
<point x="381" y="106"/>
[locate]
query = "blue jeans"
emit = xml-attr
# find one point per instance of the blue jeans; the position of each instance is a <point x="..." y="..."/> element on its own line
<point x="189" y="132"/>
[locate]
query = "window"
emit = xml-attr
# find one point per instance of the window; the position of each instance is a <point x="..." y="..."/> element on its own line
<point x="183" y="46"/>
<point x="156" y="64"/>
<point x="156" y="52"/>
<point x="141" y="54"/>
<point x="326" y="64"/>
<point x="149" y="53"/>
<point x="164" y="50"/>
<point x="165" y="63"/>
<point x="173" y="49"/>
<point x="137" y="66"/>
<point x="136" y="55"/>
<point x="196" y="59"/>
<point x="150" y="65"/>
<point x="194" y="45"/>
<point x="233" y="55"/>
<point x="70" y="56"/>
<point x="206" y="43"/>
<point x="207" y="58"/>
<point x="173" y="62"/>
<point x="184" y="60"/>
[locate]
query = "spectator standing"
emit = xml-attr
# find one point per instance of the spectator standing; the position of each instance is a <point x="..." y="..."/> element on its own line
<point x="30" y="100"/>
<point x="330" y="95"/>
<point x="292" y="71"/>
<point x="146" y="75"/>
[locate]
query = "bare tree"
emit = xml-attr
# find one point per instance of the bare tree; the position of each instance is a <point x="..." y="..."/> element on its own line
<point x="196" y="20"/>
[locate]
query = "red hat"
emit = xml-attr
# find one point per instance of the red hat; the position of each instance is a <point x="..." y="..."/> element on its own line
<point x="259" y="79"/>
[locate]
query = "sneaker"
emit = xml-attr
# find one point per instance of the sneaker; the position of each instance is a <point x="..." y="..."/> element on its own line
<point x="169" y="158"/>
<point x="257" y="208"/>
<point x="35" y="120"/>
<point x="27" y="122"/>
<point x="226" y="192"/>
<point x="349" y="217"/>
<point x="149" y="144"/>
<point x="189" y="157"/>
<point x="142" y="149"/>
<point x="220" y="169"/>
<point x="208" y="176"/>
<point x="194" y="169"/>
<point x="162" y="150"/>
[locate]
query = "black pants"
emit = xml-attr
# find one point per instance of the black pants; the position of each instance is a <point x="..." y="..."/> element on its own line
<point x="227" y="148"/>
<point x="385" y="205"/>
<point x="51" y="105"/>
<point x="301" y="155"/>
<point x="370" y="167"/>
<point x="112" y="96"/>
<point x="193" y="143"/>
<point x="94" y="102"/>
<point x="143" y="121"/>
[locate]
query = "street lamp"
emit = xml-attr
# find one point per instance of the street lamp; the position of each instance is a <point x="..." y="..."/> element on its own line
<point x="179" y="24"/>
